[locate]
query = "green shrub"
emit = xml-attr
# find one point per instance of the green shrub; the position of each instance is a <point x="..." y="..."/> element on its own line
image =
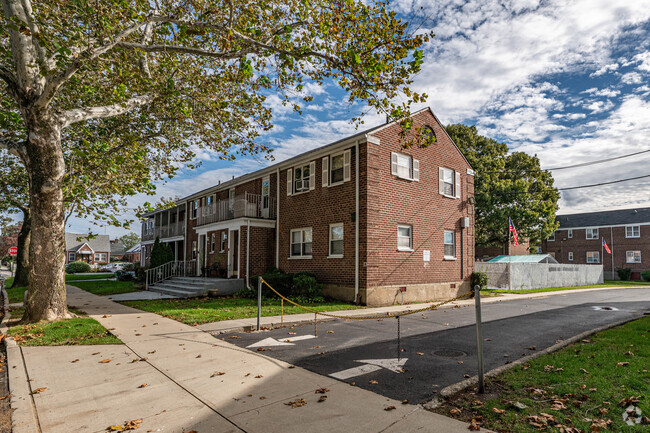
<point x="645" y="275"/>
<point x="280" y="281"/>
<point x="624" y="274"/>
<point x="479" y="279"/>
<point x="124" y="276"/>
<point x="77" y="267"/>
<point x="161" y="253"/>
<point x="307" y="288"/>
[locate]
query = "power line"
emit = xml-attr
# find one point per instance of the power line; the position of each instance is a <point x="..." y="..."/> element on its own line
<point x="604" y="183"/>
<point x="600" y="161"/>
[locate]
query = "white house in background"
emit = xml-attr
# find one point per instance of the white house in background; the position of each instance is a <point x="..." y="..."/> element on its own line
<point x="78" y="247"/>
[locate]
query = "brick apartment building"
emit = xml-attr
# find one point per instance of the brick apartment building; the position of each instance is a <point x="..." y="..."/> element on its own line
<point x="626" y="232"/>
<point x="368" y="217"/>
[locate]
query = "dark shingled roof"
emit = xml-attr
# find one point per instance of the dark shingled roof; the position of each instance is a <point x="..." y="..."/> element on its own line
<point x="606" y="218"/>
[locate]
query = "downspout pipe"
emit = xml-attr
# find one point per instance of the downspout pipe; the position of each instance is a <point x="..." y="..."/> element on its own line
<point x="277" y="219"/>
<point x="356" y="224"/>
<point x="248" y="251"/>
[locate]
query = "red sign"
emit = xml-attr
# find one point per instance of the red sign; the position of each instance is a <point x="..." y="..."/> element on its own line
<point x="13" y="251"/>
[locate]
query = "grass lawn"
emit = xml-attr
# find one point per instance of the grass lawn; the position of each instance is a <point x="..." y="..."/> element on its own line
<point x="555" y="289"/>
<point x="68" y="332"/>
<point x="582" y="386"/>
<point x="77" y="277"/>
<point x="17" y="294"/>
<point x="206" y="310"/>
<point x="105" y="288"/>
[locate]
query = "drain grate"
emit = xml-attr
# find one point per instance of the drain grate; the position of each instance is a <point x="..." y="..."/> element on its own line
<point x="449" y="353"/>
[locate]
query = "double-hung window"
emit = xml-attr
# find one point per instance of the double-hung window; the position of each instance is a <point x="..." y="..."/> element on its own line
<point x="633" y="257"/>
<point x="213" y="241"/>
<point x="301" y="178"/>
<point x="224" y="238"/>
<point x="591" y="234"/>
<point x="450" y="244"/>
<point x="404" y="237"/>
<point x="448" y="182"/>
<point x="100" y="257"/>
<point x="593" y="257"/>
<point x="194" y="252"/>
<point x="336" y="240"/>
<point x="301" y="242"/>
<point x="337" y="163"/>
<point x="72" y="257"/>
<point x="194" y="209"/>
<point x="632" y="232"/>
<point x="404" y="166"/>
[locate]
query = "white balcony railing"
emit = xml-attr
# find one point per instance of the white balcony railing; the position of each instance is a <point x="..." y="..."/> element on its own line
<point x="248" y="205"/>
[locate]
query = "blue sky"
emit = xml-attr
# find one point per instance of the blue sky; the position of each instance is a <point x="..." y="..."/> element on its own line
<point x="566" y="80"/>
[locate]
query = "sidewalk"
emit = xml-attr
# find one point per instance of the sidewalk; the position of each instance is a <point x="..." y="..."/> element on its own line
<point x="185" y="390"/>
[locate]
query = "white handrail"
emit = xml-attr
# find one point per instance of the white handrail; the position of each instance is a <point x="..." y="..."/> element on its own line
<point x="170" y="269"/>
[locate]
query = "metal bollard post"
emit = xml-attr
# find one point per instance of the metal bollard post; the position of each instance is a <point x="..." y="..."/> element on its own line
<point x="259" y="303"/>
<point x="281" y="313"/>
<point x="479" y="338"/>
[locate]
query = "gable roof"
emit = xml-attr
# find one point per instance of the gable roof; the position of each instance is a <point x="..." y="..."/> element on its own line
<point x="135" y="249"/>
<point x="100" y="244"/>
<point x="605" y="218"/>
<point x="117" y="248"/>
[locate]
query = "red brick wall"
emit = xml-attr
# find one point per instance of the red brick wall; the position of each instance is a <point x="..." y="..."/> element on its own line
<point x="262" y="250"/>
<point x="318" y="209"/>
<point x="522" y="249"/>
<point x="579" y="245"/>
<point x="393" y="201"/>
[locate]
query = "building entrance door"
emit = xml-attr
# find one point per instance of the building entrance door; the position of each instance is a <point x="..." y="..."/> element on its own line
<point x="233" y="257"/>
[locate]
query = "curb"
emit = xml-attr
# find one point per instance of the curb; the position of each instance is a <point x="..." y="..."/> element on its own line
<point x="450" y="390"/>
<point x="23" y="415"/>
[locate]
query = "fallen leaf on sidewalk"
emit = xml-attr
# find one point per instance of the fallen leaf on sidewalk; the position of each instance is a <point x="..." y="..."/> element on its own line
<point x="152" y="352"/>
<point x="38" y="390"/>
<point x="75" y="360"/>
<point x="291" y="366"/>
<point x="316" y="347"/>
<point x="261" y="349"/>
<point x="2" y="398"/>
<point x="420" y="353"/>
<point x="198" y="356"/>
<point x="104" y="361"/>
<point x="137" y="335"/>
<point x="296" y="403"/>
<point x="292" y="333"/>
<point x="259" y="376"/>
<point x="322" y="398"/>
<point x="105" y="316"/>
<point x="466" y="376"/>
<point x="235" y="337"/>
<point x="96" y="353"/>
<point x="405" y="402"/>
<point x="144" y="385"/>
<point x="532" y="348"/>
<point x="330" y="332"/>
<point x="373" y="382"/>
<point x="455" y="411"/>
<point x="262" y="398"/>
<point x="475" y="425"/>
<point x="322" y="391"/>
<point x="389" y="408"/>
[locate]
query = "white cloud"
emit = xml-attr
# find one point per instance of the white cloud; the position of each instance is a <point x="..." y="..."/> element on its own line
<point x="609" y="93"/>
<point x="632" y="78"/>
<point x="644" y="60"/>
<point x="605" y="69"/>
<point x="599" y="106"/>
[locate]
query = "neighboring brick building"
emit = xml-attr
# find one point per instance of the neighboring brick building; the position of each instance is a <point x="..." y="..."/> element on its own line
<point x="366" y="216"/>
<point x="626" y="232"/>
<point x="92" y="251"/>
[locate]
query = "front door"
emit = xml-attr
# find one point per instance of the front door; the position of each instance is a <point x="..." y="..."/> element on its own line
<point x="234" y="253"/>
<point x="266" y="187"/>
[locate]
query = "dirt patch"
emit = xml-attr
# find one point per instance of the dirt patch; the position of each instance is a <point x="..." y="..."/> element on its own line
<point x="458" y="406"/>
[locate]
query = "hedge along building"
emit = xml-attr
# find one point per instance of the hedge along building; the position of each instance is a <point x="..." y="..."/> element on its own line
<point x="373" y="221"/>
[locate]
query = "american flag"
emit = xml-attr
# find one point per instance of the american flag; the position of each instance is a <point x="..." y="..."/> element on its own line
<point x="606" y="247"/>
<point x="513" y="230"/>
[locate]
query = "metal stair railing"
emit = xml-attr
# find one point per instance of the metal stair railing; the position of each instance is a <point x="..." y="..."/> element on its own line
<point x="170" y="269"/>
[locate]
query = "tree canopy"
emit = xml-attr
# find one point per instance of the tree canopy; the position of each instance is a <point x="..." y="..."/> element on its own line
<point x="507" y="185"/>
<point x="117" y="88"/>
<point x="129" y="240"/>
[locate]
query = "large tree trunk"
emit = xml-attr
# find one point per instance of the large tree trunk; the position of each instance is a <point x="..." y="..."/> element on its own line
<point x="22" y="260"/>
<point x="46" y="299"/>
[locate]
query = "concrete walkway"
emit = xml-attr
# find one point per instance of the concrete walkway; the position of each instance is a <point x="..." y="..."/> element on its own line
<point x="193" y="382"/>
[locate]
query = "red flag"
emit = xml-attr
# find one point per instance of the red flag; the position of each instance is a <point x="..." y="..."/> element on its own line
<point x="606" y="247"/>
<point x="513" y="230"/>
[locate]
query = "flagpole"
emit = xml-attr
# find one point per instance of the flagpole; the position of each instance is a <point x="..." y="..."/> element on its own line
<point x="611" y="235"/>
<point x="602" y="252"/>
<point x="508" y="250"/>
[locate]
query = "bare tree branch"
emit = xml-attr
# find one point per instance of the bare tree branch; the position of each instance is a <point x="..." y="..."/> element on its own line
<point x="17" y="148"/>
<point x="184" y="50"/>
<point x="81" y="114"/>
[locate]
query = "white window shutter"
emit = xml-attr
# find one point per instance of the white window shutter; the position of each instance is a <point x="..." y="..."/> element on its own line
<point x="441" y="180"/>
<point x="347" y="157"/>
<point x="393" y="163"/>
<point x="416" y="169"/>
<point x="289" y="181"/>
<point x="457" y="185"/>
<point x="312" y="175"/>
<point x="325" y="171"/>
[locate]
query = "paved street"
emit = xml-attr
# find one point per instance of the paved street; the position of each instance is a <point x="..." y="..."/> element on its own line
<point x="439" y="347"/>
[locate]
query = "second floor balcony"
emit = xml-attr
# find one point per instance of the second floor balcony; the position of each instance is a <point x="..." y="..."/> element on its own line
<point x="166" y="231"/>
<point x="247" y="205"/>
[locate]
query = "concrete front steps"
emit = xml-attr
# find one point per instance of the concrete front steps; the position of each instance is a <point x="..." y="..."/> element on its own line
<point x="192" y="287"/>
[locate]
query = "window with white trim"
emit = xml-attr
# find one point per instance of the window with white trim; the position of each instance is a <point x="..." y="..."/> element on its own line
<point x="570" y="256"/>
<point x="301" y="242"/>
<point x="100" y="257"/>
<point x="450" y="244"/>
<point x="213" y="242"/>
<point x="224" y="239"/>
<point x="404" y="237"/>
<point x="593" y="256"/>
<point x="591" y="234"/>
<point x="336" y="168"/>
<point x="569" y="233"/>
<point x="72" y="257"/>
<point x="404" y="166"/>
<point x="336" y="240"/>
<point x="194" y="209"/>
<point x="633" y="257"/>
<point x="551" y="238"/>
<point x="301" y="179"/>
<point x="448" y="182"/>
<point x="632" y="232"/>
<point x="194" y="252"/>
